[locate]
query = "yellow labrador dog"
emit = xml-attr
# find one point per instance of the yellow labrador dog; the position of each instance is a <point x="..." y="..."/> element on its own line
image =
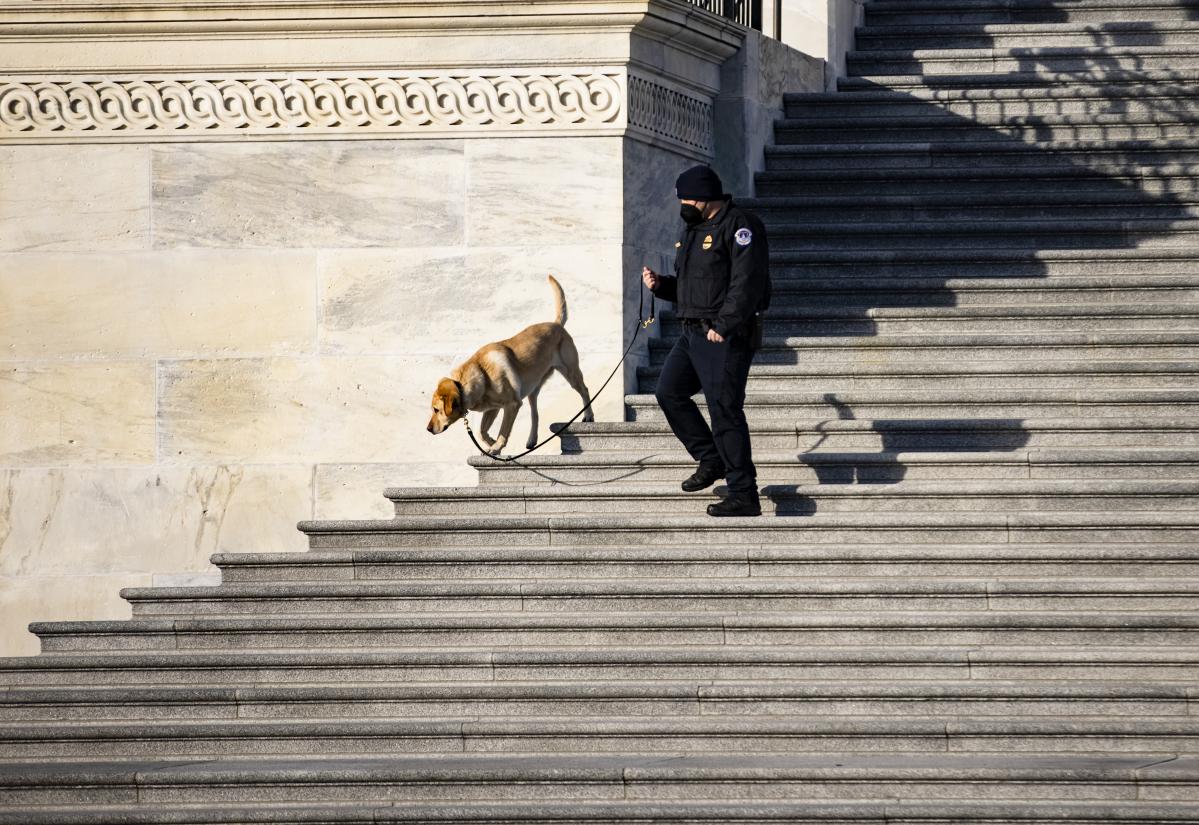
<point x="501" y="375"/>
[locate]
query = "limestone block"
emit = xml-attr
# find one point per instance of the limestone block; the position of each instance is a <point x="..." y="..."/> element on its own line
<point x="74" y="198"/>
<point x="152" y="520"/>
<point x="450" y="302"/>
<point x="28" y="599"/>
<point x="543" y="191"/>
<point x="321" y="194"/>
<point x="174" y="304"/>
<point x="81" y="412"/>
<point x="349" y="491"/>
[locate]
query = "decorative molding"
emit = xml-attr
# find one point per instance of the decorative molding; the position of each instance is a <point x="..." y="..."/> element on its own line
<point x="316" y="104"/>
<point x="666" y="113"/>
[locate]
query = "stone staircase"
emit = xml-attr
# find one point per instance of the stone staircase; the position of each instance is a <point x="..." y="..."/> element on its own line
<point x="973" y="598"/>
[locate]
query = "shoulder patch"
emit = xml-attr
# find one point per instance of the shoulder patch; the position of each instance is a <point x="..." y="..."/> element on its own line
<point x="743" y="237"/>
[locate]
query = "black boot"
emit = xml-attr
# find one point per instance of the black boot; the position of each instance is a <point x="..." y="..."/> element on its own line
<point x="705" y="476"/>
<point x="737" y="504"/>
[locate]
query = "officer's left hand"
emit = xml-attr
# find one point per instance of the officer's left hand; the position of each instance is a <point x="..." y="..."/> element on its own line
<point x="715" y="337"/>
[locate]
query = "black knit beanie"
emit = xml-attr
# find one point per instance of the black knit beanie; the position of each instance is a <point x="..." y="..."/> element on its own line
<point x="699" y="183"/>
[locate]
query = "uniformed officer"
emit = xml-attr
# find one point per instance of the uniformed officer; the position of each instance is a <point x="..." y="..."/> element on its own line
<point x="720" y="286"/>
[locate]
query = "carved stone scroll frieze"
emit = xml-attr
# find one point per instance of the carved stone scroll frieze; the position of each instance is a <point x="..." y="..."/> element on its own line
<point x="420" y="103"/>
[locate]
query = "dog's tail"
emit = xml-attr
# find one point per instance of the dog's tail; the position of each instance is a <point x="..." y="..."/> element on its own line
<point x="559" y="300"/>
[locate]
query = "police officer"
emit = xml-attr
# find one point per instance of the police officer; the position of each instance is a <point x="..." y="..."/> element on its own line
<point x="720" y="286"/>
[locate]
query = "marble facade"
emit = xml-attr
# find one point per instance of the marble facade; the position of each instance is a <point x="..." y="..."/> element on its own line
<point x="227" y="288"/>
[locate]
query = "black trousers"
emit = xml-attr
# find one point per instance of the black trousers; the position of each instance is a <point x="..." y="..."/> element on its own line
<point x="721" y="371"/>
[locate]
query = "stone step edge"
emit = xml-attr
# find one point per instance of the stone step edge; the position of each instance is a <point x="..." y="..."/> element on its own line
<point x="640" y="655"/>
<point x="613" y="813"/>
<point x="1056" y="368"/>
<point x="733" y="724"/>
<point x="744" y="529"/>
<point x="927" y="397"/>
<point x="989" y="488"/>
<point x="790" y="688"/>
<point x="882" y="426"/>
<point x="979" y="121"/>
<point x="553" y="768"/>
<point x="1005" y="146"/>
<point x="923" y="619"/>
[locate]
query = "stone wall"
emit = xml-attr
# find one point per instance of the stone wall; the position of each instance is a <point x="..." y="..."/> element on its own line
<point x="226" y="291"/>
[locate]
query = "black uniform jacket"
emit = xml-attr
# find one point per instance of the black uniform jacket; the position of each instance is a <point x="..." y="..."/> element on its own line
<point x="721" y="271"/>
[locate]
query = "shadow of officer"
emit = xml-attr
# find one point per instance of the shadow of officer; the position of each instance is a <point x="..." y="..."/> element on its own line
<point x="721" y="283"/>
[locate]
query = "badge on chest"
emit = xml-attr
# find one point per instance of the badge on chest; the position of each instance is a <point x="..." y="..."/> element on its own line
<point x="707" y="243"/>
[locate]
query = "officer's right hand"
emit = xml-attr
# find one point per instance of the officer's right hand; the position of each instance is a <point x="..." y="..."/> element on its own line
<point x="650" y="278"/>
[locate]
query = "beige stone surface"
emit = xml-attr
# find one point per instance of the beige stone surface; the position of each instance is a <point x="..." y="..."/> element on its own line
<point x="356" y="490"/>
<point x="93" y="198"/>
<point x="358" y="409"/>
<point x="543" y="191"/>
<point x="77" y="413"/>
<point x="449" y="302"/>
<point x="157" y="304"/>
<point x="111" y="520"/>
<point x="26" y="599"/>
<point x="303" y="195"/>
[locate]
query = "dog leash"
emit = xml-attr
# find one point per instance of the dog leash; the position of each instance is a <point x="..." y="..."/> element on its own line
<point x="642" y="323"/>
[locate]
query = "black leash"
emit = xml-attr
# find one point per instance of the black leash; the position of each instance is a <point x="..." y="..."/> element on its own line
<point x="642" y="323"/>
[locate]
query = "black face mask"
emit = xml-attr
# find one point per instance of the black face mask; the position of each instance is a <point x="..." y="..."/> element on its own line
<point x="690" y="214"/>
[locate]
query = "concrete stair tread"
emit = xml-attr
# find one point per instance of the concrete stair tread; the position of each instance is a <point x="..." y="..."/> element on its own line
<point x="1010" y="196"/>
<point x="880" y="255"/>
<point x="1110" y="53"/>
<point x="989" y="226"/>
<point x="1066" y="28"/>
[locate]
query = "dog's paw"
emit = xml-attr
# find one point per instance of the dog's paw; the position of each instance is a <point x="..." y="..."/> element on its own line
<point x="496" y="447"/>
<point x="588" y="416"/>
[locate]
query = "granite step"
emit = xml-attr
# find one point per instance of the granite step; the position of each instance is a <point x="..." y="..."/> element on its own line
<point x="801" y="320"/>
<point x="896" y="375"/>
<point x="652" y="614"/>
<point x="1080" y="15"/>
<point x="1064" y="205"/>
<point x="51" y="741"/>
<point x="873" y="662"/>
<point x="916" y="434"/>
<point x="1002" y="495"/>
<point x="821" y="810"/>
<point x="1174" y="157"/>
<point x="656" y="698"/>
<point x="1087" y="59"/>
<point x="882" y="97"/>
<point x="918" y="777"/>
<point x="784" y="469"/>
<point x="1039" y="129"/>
<point x="812" y="285"/>
<point x="1033" y="80"/>
<point x="1180" y="32"/>
<point x="966" y="348"/>
<point x="1139" y="233"/>
<point x="700" y="529"/>
<point x="926" y="182"/>
<point x="1108" y="560"/>
<point x="963" y="404"/>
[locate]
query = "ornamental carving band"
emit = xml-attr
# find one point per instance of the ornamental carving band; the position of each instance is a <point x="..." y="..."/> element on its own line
<point x="262" y="105"/>
<point x="670" y="113"/>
